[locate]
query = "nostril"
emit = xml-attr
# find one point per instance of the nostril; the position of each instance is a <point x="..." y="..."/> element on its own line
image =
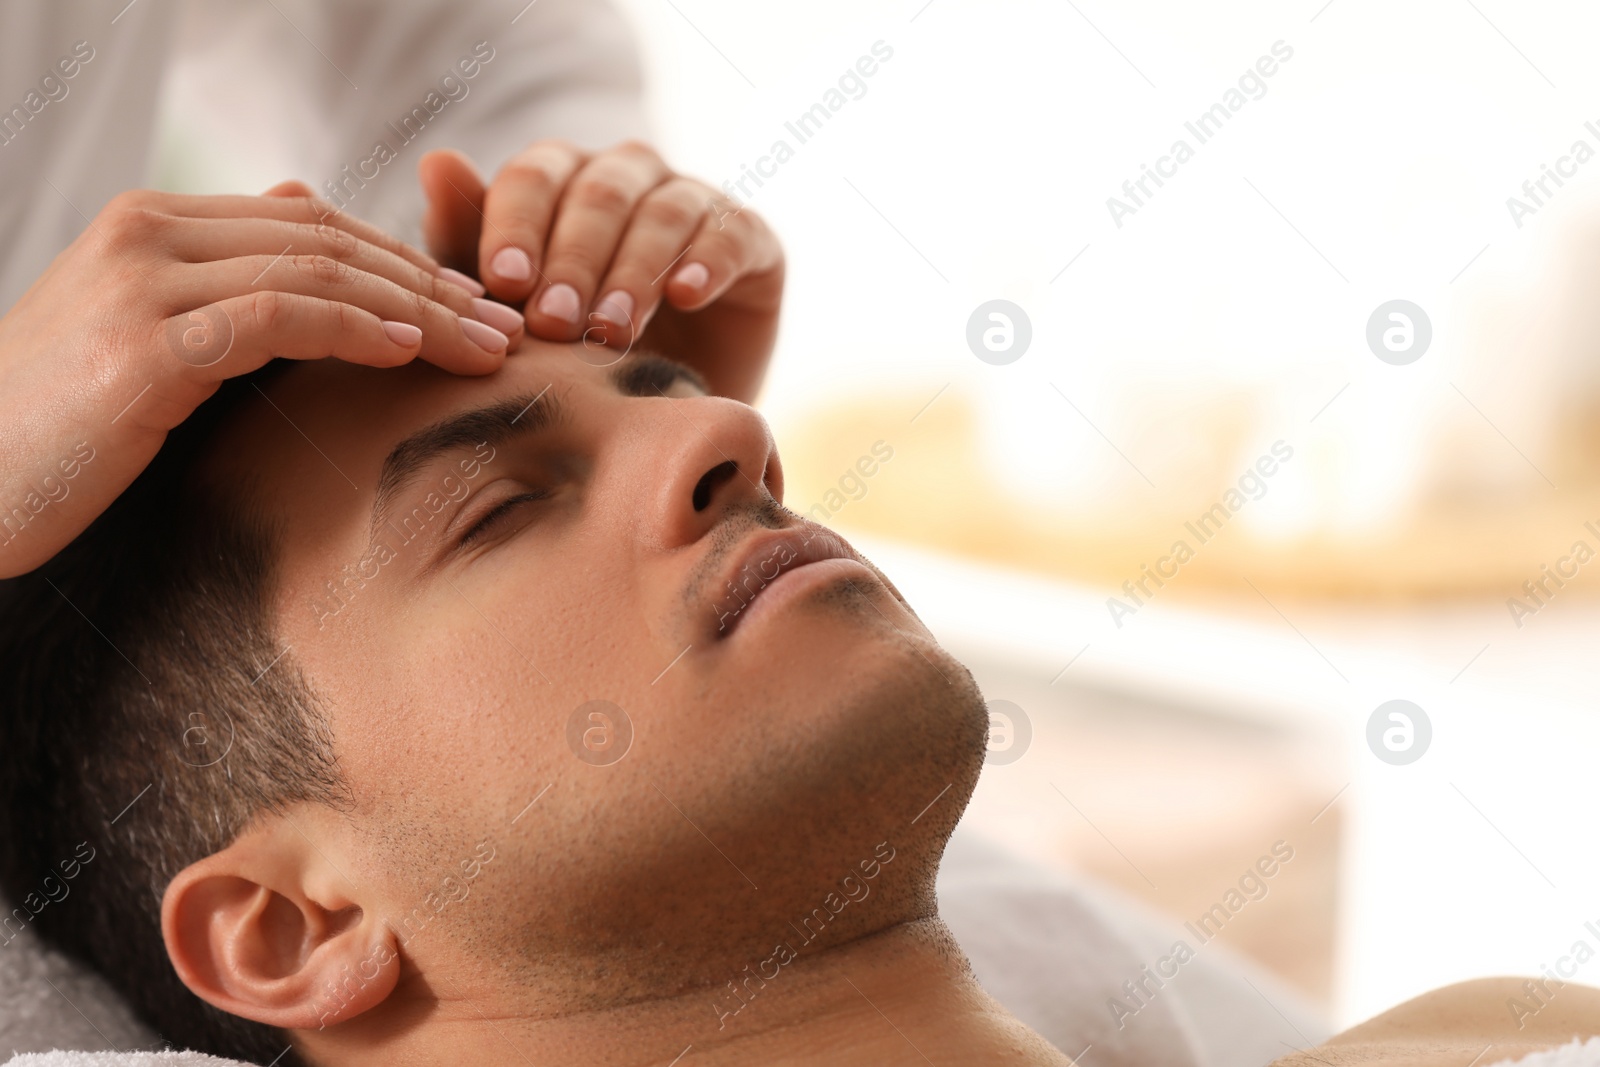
<point x="711" y="481"/>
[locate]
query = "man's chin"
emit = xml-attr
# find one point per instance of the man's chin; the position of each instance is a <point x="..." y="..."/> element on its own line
<point x="877" y="718"/>
<point x="750" y="796"/>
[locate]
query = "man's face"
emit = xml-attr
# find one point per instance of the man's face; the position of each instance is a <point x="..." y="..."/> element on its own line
<point x="468" y="565"/>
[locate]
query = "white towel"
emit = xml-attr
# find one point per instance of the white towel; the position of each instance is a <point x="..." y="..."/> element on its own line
<point x="1584" y="1054"/>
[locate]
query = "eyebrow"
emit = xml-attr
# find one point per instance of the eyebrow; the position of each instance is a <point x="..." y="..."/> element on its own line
<point x="643" y="374"/>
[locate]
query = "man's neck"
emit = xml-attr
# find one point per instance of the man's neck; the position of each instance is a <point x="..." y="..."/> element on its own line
<point x="901" y="996"/>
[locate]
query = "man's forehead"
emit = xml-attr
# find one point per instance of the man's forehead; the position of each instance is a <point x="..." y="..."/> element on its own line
<point x="385" y="403"/>
<point x="337" y="414"/>
<point x="308" y="445"/>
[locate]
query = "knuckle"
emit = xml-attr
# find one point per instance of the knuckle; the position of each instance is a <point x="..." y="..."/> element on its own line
<point x="669" y="213"/>
<point x="602" y="194"/>
<point x="130" y="199"/>
<point x="346" y="319"/>
<point x="431" y="290"/>
<point x="578" y="262"/>
<point x="422" y="306"/>
<point x="335" y="242"/>
<point x="263" y="310"/>
<point x="130" y="224"/>
<point x="317" y="209"/>
<point x="323" y="271"/>
<point x="534" y="177"/>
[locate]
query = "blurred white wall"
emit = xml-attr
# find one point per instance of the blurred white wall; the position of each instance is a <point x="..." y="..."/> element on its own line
<point x="1376" y="164"/>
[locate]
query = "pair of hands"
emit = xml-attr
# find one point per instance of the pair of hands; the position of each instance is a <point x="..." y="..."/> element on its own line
<point x="164" y="296"/>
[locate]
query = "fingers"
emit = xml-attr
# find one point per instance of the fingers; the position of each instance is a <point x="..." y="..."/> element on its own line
<point x="655" y="247"/>
<point x="595" y="211"/>
<point x="518" y="209"/>
<point x="455" y="342"/>
<point x="207" y="240"/>
<point x="241" y="333"/>
<point x="729" y="247"/>
<point x="452" y="223"/>
<point x="310" y="211"/>
<point x="685" y="247"/>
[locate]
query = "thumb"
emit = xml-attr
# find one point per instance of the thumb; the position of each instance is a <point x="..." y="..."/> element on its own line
<point x="453" y="218"/>
<point x="293" y="187"/>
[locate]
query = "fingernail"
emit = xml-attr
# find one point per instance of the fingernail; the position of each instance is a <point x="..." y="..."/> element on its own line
<point x="507" y="320"/>
<point x="560" y="302"/>
<point x="616" y="306"/>
<point x="466" y="281"/>
<point x="402" y="333"/>
<point x="485" y="337"/>
<point x="694" y="275"/>
<point x="512" y="264"/>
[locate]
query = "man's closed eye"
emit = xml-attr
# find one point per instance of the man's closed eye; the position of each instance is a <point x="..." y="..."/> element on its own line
<point x="498" y="514"/>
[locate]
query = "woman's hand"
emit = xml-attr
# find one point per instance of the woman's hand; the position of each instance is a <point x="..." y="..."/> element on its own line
<point x="613" y="248"/>
<point x="161" y="298"/>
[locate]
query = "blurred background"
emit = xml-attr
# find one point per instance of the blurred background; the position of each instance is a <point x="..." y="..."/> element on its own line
<point x="1210" y="360"/>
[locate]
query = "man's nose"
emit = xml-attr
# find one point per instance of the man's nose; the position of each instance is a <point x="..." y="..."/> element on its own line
<point x="722" y="456"/>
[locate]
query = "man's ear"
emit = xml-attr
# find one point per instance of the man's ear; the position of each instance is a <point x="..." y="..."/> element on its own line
<point x="268" y="929"/>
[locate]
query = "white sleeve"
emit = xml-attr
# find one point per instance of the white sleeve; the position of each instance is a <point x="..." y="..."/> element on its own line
<point x="347" y="95"/>
<point x="79" y="87"/>
<point x="465" y="75"/>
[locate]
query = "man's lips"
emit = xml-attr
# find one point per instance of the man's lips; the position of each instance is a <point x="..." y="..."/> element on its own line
<point x="765" y="559"/>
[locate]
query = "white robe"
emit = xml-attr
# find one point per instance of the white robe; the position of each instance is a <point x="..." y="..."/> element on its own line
<point x="211" y="95"/>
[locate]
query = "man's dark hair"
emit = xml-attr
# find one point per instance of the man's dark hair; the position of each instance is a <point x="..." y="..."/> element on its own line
<point x="129" y="664"/>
